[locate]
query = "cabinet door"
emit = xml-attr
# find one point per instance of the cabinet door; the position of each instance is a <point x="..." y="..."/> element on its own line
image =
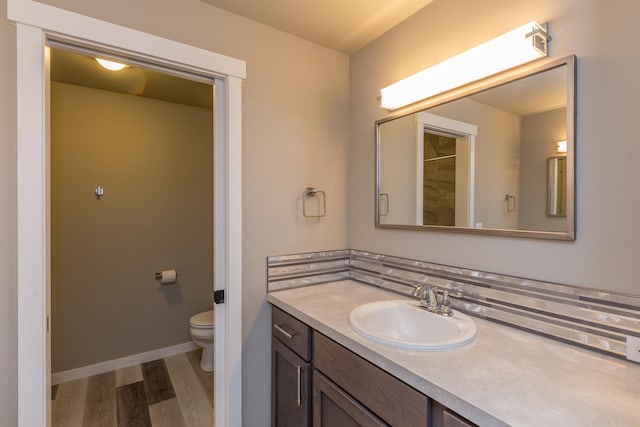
<point x="290" y="388"/>
<point x="333" y="407"/>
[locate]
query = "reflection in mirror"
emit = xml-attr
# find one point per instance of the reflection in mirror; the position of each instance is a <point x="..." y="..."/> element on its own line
<point x="557" y="186"/>
<point x="427" y="170"/>
<point x="482" y="162"/>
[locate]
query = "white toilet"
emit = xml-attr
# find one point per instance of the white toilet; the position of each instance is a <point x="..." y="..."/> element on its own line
<point x="201" y="328"/>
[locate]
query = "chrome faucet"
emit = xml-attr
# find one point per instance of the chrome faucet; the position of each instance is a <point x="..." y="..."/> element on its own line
<point x="429" y="300"/>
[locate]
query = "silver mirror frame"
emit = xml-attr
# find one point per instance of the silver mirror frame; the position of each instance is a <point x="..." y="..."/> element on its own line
<point x="507" y="76"/>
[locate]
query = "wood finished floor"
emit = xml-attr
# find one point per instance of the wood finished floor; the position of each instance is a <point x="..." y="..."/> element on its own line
<point x="169" y="392"/>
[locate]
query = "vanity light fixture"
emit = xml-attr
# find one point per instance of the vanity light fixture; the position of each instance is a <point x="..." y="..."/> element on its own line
<point x="111" y="65"/>
<point x="561" y="147"/>
<point x="519" y="46"/>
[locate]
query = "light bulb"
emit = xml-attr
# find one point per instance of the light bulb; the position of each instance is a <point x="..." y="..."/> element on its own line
<point x="111" y="65"/>
<point x="561" y="147"/>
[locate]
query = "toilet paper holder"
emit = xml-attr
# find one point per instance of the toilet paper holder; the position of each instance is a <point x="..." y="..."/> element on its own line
<point x="166" y="276"/>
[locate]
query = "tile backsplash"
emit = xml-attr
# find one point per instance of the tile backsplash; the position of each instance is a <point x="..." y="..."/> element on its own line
<point x="595" y="319"/>
<point x="292" y="271"/>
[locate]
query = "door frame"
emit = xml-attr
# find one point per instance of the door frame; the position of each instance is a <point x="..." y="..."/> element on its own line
<point x="36" y="23"/>
<point x="465" y="134"/>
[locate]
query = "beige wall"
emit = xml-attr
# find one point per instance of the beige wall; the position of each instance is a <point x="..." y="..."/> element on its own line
<point x="601" y="34"/>
<point x="295" y="131"/>
<point x="540" y="132"/>
<point x="154" y="160"/>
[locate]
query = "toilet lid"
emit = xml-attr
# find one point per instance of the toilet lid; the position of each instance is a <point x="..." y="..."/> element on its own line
<point x="202" y="320"/>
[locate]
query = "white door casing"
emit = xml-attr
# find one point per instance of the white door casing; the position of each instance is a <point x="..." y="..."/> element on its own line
<point x="465" y="134"/>
<point x="36" y="22"/>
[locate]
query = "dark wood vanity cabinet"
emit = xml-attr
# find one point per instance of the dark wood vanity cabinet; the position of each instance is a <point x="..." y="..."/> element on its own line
<point x="347" y="390"/>
<point x="290" y="371"/>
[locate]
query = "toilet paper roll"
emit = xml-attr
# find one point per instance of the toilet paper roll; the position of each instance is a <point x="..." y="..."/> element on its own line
<point x="167" y="276"/>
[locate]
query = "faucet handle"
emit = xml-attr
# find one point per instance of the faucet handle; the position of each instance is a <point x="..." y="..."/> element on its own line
<point x="445" y="306"/>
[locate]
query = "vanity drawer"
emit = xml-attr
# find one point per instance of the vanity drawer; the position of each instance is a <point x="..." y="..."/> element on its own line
<point x="389" y="398"/>
<point x="291" y="332"/>
<point x="445" y="417"/>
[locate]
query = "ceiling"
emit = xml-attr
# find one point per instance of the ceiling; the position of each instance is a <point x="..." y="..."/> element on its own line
<point x="342" y="25"/>
<point x="534" y="94"/>
<point x="82" y="70"/>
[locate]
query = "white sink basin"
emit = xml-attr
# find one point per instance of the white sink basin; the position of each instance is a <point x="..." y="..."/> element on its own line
<point x="402" y="324"/>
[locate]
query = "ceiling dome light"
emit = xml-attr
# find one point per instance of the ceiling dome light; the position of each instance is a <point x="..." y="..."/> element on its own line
<point x="111" y="65"/>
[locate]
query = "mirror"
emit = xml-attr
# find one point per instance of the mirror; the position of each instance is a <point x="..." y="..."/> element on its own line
<point x="484" y="158"/>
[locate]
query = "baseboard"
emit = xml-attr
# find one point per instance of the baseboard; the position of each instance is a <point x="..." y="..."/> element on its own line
<point x="123" y="362"/>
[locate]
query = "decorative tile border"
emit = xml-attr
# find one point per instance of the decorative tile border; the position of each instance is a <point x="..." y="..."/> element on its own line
<point x="598" y="320"/>
<point x="293" y="271"/>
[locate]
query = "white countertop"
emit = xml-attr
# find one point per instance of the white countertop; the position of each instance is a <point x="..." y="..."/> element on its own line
<point x="505" y="377"/>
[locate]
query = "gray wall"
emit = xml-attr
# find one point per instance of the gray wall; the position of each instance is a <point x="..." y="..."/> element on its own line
<point x="8" y="236"/>
<point x="398" y="171"/>
<point x="600" y="33"/>
<point x="155" y="161"/>
<point x="497" y="159"/>
<point x="540" y="132"/>
<point x="295" y="130"/>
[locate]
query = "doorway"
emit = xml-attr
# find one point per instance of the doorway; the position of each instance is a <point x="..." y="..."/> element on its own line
<point x="131" y="195"/>
<point x="439" y="183"/>
<point x="35" y="23"/>
<point x="445" y="171"/>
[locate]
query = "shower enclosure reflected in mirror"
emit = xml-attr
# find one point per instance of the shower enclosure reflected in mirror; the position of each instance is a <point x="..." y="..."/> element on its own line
<point x="477" y="159"/>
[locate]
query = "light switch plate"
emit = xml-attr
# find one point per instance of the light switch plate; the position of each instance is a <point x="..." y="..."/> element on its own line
<point x="633" y="349"/>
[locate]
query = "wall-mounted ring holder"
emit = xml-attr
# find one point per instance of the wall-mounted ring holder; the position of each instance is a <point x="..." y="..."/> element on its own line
<point x="312" y="193"/>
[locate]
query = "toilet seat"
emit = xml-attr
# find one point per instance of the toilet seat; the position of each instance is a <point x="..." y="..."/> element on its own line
<point x="202" y="320"/>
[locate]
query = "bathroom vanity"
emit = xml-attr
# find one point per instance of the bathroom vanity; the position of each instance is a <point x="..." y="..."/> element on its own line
<point x="324" y="373"/>
<point x="290" y="370"/>
<point x="345" y="388"/>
